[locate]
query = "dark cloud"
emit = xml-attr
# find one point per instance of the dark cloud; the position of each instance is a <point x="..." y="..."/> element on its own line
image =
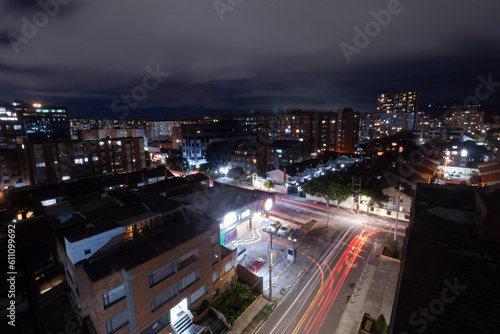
<point x="263" y="55"/>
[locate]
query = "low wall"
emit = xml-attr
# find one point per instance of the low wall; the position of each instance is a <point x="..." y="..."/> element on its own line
<point x="248" y="310"/>
<point x="248" y="277"/>
<point x="385" y="212"/>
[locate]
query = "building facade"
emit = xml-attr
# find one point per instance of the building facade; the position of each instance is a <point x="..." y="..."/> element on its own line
<point x="53" y="161"/>
<point x="14" y="162"/>
<point x="142" y="264"/>
<point x="43" y="121"/>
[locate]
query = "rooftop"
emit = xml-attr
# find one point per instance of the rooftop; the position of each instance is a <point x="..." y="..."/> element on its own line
<point x="447" y="268"/>
<point x="217" y="201"/>
<point x="176" y="231"/>
<point x="95" y="214"/>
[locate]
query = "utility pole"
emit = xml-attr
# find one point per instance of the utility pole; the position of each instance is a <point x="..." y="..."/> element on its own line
<point x="357" y="183"/>
<point x="271" y="269"/>
<point x="352" y="201"/>
<point x="397" y="211"/>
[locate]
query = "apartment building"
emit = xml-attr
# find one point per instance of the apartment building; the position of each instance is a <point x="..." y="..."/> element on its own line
<point x="53" y="161"/>
<point x="346" y="140"/>
<point x="398" y="102"/>
<point x="445" y="133"/>
<point x="197" y="137"/>
<point x="14" y="167"/>
<point x="469" y="118"/>
<point x="395" y="112"/>
<point x="42" y="121"/>
<point x="138" y="263"/>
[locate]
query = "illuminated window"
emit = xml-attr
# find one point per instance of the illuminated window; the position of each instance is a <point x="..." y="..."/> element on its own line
<point x="129" y="232"/>
<point x="160" y="274"/>
<point x="187" y="259"/>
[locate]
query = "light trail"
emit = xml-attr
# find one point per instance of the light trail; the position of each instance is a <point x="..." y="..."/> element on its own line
<point x="332" y="278"/>
<point x="317" y="312"/>
<point x="323" y="286"/>
<point x="252" y="240"/>
<point x="307" y="291"/>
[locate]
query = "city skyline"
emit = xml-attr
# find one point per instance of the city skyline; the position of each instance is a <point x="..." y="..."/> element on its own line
<point x="182" y="60"/>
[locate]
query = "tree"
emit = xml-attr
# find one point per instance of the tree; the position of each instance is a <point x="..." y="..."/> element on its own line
<point x="343" y="189"/>
<point x="381" y="324"/>
<point x="330" y="187"/>
<point x="268" y="185"/>
<point x="475" y="178"/>
<point x="374" y="195"/>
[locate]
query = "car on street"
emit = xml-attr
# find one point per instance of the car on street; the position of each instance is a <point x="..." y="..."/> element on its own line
<point x="257" y="264"/>
<point x="295" y="235"/>
<point x="273" y="227"/>
<point x="463" y="182"/>
<point x="284" y="230"/>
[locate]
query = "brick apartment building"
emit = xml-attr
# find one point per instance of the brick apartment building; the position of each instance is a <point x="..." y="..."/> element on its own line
<point x="53" y="161"/>
<point x="138" y="263"/>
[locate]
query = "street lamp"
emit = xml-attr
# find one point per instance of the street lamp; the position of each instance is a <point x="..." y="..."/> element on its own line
<point x="224" y="170"/>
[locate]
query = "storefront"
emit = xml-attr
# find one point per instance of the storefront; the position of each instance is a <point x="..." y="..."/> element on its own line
<point x="238" y="222"/>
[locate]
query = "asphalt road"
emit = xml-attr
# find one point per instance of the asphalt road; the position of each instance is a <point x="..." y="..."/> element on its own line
<point x="317" y="299"/>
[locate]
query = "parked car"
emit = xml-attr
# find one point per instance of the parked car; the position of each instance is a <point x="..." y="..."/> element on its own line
<point x="241" y="253"/>
<point x="273" y="227"/>
<point x="284" y="230"/>
<point x="463" y="182"/>
<point x="257" y="264"/>
<point x="295" y="236"/>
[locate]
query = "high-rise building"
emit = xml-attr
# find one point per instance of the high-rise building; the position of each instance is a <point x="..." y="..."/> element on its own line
<point x="43" y="121"/>
<point x="398" y="102"/>
<point x="396" y="112"/>
<point x="348" y="122"/>
<point x="468" y="118"/>
<point x="14" y="167"/>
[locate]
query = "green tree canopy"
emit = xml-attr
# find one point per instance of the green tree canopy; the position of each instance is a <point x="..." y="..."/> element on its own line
<point x="268" y="184"/>
<point x="331" y="187"/>
<point x="374" y="195"/>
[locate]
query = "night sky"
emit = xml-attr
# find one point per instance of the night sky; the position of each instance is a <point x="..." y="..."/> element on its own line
<point x="241" y="55"/>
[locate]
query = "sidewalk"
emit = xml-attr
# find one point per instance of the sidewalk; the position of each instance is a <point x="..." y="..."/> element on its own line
<point x="374" y="292"/>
